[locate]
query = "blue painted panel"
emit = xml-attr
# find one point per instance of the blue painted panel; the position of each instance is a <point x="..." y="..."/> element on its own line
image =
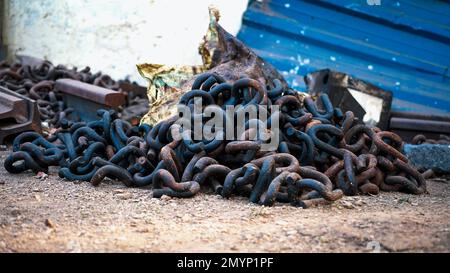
<point x="401" y="46"/>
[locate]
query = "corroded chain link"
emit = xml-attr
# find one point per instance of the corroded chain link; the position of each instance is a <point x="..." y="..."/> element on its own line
<point x="321" y="155"/>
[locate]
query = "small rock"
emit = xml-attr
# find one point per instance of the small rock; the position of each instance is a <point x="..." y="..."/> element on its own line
<point x="125" y="196"/>
<point x="41" y="175"/>
<point x="291" y="232"/>
<point x="15" y="212"/>
<point x="165" y="198"/>
<point x="2" y="182"/>
<point x="347" y="205"/>
<point x="49" y="223"/>
<point x="118" y="191"/>
<point x="429" y="156"/>
<point x="186" y="218"/>
<point x="144" y="230"/>
<point x="359" y="202"/>
<point x="3" y="147"/>
<point x="155" y="201"/>
<point x="74" y="247"/>
<point x="2" y="244"/>
<point x="281" y="223"/>
<point x="50" y="231"/>
<point x="37" y="197"/>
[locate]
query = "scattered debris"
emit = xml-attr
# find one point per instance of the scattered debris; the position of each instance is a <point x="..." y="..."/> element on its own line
<point x="260" y="211"/>
<point x="324" y="152"/>
<point x="347" y="204"/>
<point x="41" y="175"/>
<point x="37" y="197"/>
<point x="165" y="197"/>
<point x="322" y="155"/>
<point x="422" y="139"/>
<point x="49" y="223"/>
<point x="35" y="79"/>
<point x="125" y="195"/>
<point x="360" y="202"/>
<point x="186" y="218"/>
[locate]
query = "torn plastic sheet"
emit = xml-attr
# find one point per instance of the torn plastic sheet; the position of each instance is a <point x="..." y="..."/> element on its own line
<point x="221" y="53"/>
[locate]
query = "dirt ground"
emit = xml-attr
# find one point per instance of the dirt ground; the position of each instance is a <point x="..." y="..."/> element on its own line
<point x="54" y="215"/>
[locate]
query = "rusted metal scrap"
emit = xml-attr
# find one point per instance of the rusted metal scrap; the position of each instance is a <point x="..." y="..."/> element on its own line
<point x="17" y="114"/>
<point x="86" y="98"/>
<point x="322" y="155"/>
<point x="422" y="139"/>
<point x="349" y="93"/>
<point x="418" y="128"/>
<point x="35" y="78"/>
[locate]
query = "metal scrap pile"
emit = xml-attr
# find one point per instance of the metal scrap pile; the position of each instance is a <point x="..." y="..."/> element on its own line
<point x="322" y="153"/>
<point x="36" y="80"/>
<point x="422" y="139"/>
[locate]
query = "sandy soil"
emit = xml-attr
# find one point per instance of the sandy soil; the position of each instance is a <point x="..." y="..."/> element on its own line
<point x="54" y="215"/>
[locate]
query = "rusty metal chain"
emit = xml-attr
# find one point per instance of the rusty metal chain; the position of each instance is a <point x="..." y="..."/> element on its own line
<point x="322" y="154"/>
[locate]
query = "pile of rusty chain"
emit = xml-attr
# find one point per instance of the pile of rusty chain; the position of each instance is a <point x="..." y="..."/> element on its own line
<point x="322" y="153"/>
<point x="37" y="82"/>
<point x="422" y="139"/>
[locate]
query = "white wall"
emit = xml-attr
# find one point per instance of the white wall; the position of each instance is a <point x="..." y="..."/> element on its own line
<point x="114" y="35"/>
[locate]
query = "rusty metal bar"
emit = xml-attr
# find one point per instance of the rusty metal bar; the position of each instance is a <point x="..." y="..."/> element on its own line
<point x="421" y="125"/>
<point x="408" y="125"/>
<point x="90" y="92"/>
<point x="17" y="114"/>
<point x="86" y="98"/>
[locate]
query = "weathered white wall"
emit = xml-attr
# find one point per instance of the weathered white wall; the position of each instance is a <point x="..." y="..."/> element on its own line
<point x="114" y="35"/>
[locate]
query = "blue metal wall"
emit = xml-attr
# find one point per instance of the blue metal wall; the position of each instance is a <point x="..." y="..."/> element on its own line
<point x="401" y="46"/>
